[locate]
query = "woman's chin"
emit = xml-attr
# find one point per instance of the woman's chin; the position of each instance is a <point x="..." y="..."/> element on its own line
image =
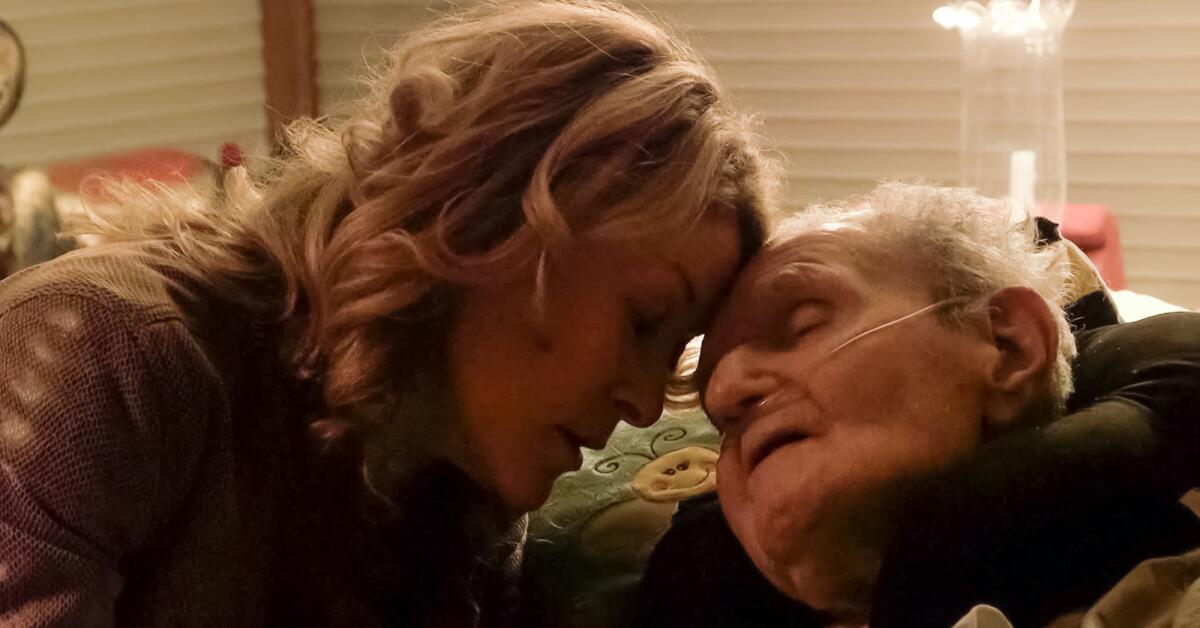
<point x="520" y="495"/>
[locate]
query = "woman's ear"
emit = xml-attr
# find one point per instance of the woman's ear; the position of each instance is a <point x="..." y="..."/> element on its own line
<point x="1019" y="383"/>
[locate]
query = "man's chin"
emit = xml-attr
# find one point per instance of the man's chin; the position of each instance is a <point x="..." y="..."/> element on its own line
<point x="781" y="516"/>
<point x="831" y="572"/>
<point x="773" y="544"/>
<point x="839" y="592"/>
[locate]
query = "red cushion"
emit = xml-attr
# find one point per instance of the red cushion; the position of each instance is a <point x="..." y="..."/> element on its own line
<point x="152" y="164"/>
<point x="1094" y="229"/>
<point x="1088" y="226"/>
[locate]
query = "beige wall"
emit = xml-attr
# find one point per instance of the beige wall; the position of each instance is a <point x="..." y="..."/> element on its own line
<point x="111" y="75"/>
<point x="851" y="91"/>
<point x="349" y="31"/>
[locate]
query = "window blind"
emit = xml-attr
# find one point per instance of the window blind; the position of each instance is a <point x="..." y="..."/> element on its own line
<point x="110" y="75"/>
<point x="852" y="91"/>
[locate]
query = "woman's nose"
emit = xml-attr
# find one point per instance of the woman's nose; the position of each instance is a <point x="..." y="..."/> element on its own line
<point x="640" y="403"/>
<point x="641" y="390"/>
<point x="738" y="383"/>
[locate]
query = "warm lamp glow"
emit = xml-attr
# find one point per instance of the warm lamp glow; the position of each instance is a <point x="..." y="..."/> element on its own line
<point x="946" y="16"/>
<point x="1009" y="17"/>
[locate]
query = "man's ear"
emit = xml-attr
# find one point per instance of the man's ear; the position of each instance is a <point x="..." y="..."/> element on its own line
<point x="1025" y="337"/>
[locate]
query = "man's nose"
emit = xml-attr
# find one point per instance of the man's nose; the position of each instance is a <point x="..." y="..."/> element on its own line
<point x="739" y="382"/>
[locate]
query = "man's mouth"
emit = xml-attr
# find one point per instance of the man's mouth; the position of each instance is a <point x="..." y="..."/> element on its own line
<point x="759" y="448"/>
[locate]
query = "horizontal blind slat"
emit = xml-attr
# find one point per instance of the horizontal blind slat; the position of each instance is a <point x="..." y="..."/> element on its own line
<point x="852" y="91"/>
<point x="111" y="75"/>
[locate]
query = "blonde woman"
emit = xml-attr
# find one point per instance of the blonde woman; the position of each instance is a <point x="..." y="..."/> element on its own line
<point x="329" y="400"/>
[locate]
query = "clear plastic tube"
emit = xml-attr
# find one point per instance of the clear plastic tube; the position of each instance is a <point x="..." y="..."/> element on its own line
<point x="789" y="393"/>
<point x="881" y="327"/>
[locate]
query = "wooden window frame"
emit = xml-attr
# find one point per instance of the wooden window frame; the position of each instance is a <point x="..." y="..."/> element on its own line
<point x="290" y="62"/>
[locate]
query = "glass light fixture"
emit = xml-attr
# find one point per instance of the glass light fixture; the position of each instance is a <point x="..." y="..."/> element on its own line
<point x="1012" y="138"/>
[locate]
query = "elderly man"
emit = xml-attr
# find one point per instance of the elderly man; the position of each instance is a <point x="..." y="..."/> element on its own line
<point x="892" y="377"/>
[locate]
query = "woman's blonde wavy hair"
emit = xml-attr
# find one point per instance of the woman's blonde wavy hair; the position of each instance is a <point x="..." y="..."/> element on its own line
<point x="487" y="142"/>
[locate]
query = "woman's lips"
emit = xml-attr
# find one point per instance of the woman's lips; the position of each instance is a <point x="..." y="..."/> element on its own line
<point x="572" y="444"/>
<point x="582" y="440"/>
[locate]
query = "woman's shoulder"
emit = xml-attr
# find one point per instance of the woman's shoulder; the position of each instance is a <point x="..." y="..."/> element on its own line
<point x="110" y="312"/>
<point x="125" y="280"/>
<point x="105" y="415"/>
<point x="102" y="318"/>
<point x="1159" y="354"/>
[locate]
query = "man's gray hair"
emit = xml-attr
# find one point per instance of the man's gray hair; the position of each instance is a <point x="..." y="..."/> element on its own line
<point x="971" y="245"/>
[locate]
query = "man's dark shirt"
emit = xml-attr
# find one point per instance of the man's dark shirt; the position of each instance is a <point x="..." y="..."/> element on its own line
<point x="1037" y="524"/>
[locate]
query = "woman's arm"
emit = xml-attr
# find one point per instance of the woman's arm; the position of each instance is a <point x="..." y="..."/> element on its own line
<point x="1042" y="520"/>
<point x="92" y="457"/>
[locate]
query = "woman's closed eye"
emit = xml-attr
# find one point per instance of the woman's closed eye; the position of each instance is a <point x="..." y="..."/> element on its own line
<point x="654" y="328"/>
<point x="647" y="323"/>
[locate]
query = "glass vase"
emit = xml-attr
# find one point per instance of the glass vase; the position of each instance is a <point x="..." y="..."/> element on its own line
<point x="1012" y="137"/>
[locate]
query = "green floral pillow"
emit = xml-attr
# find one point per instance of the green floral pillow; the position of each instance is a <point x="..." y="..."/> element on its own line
<point x="589" y="544"/>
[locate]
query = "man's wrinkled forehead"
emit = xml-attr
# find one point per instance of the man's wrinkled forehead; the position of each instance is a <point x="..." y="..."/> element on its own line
<point x="779" y="267"/>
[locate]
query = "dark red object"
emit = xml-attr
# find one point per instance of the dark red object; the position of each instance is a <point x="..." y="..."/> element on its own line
<point x="231" y="156"/>
<point x="1094" y="229"/>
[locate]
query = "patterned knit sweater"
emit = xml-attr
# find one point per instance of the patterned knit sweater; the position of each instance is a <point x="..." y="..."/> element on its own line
<point x="153" y="472"/>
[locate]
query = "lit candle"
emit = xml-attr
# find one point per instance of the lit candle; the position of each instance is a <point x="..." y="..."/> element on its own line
<point x="1022" y="177"/>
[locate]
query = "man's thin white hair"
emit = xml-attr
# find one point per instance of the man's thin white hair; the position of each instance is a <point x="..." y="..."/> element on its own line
<point x="970" y="244"/>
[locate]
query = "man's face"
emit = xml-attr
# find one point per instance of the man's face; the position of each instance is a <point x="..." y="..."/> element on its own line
<point x="815" y="445"/>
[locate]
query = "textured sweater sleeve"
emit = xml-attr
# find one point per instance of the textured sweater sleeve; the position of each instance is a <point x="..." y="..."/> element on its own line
<point x="101" y="423"/>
